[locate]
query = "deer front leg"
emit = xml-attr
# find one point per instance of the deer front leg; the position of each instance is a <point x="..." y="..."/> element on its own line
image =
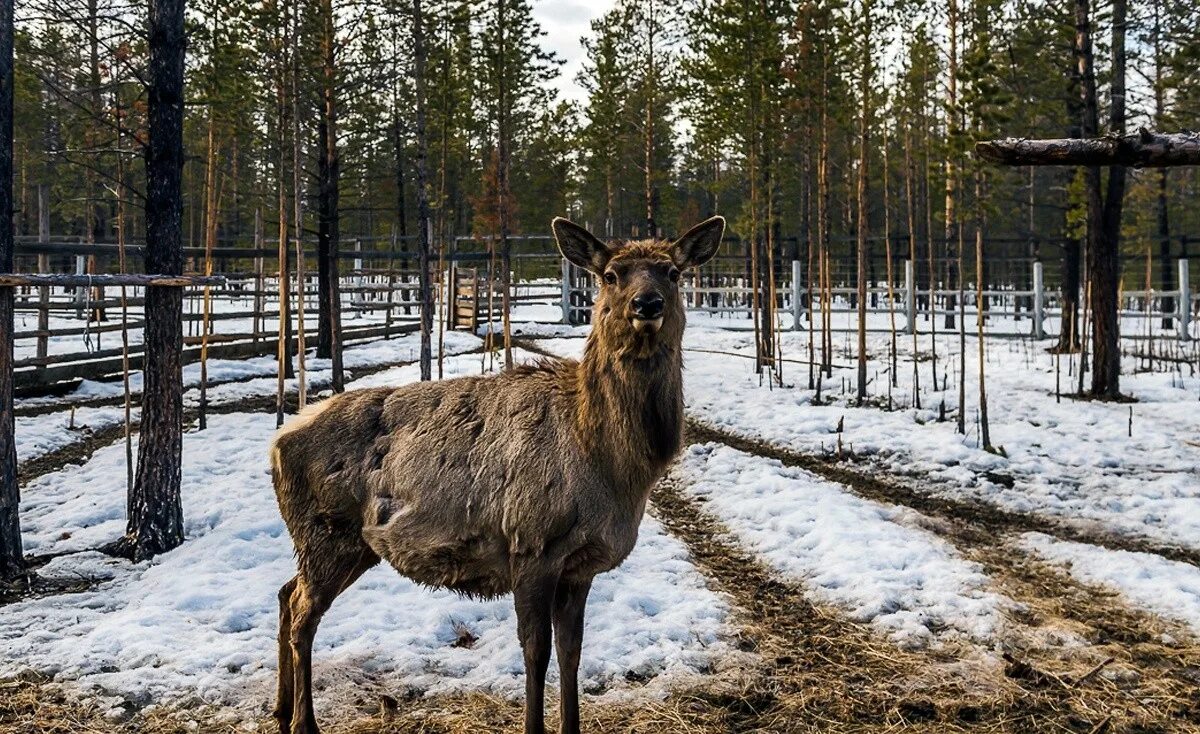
<point x="533" y="597"/>
<point x="570" y="599"/>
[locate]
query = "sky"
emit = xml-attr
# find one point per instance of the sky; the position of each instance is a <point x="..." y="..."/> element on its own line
<point x="565" y="22"/>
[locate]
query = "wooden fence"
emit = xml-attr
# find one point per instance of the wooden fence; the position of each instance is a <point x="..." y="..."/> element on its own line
<point x="719" y="292"/>
<point x="66" y="333"/>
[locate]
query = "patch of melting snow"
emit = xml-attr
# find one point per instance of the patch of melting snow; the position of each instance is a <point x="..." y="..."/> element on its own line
<point x="872" y="560"/>
<point x="1165" y="587"/>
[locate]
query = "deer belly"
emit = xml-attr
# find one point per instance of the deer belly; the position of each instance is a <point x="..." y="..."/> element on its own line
<point x="420" y="546"/>
<point x="601" y="554"/>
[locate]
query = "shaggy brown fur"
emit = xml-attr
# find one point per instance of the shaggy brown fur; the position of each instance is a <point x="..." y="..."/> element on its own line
<point x="531" y="482"/>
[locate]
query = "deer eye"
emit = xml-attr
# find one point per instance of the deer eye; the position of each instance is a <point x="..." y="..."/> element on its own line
<point x="674" y="275"/>
<point x="610" y="277"/>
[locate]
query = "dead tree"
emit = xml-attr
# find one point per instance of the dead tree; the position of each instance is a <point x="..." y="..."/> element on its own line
<point x="1143" y="149"/>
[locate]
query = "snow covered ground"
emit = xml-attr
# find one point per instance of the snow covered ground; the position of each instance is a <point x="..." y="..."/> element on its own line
<point x="1168" y="588"/>
<point x="230" y="380"/>
<point x="871" y="560"/>
<point x="200" y="621"/>
<point x="1071" y="461"/>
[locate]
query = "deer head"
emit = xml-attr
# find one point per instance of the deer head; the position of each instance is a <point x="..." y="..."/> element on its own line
<point x="639" y="308"/>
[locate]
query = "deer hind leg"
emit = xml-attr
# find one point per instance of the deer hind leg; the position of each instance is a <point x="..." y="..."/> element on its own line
<point x="284" y="698"/>
<point x="570" y="599"/>
<point x="327" y="574"/>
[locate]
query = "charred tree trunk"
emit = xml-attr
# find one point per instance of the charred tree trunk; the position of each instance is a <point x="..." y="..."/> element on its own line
<point x="155" y="522"/>
<point x="12" y="559"/>
<point x="1166" y="271"/>
<point x="328" y="176"/>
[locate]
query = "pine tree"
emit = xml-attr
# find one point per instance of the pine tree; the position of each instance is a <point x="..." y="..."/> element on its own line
<point x="12" y="559"/>
<point x="155" y="522"/>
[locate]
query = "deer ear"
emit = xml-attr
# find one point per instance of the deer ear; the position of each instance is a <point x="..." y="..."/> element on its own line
<point x="699" y="244"/>
<point x="580" y="246"/>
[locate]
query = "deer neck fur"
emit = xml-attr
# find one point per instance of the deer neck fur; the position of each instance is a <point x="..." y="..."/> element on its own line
<point x="630" y="407"/>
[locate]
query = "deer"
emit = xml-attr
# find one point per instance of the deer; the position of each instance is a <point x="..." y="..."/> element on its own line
<point x="530" y="482"/>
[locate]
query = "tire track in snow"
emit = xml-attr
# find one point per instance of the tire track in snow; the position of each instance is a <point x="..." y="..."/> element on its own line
<point x="824" y="672"/>
<point x="1060" y="628"/>
<point x="975" y="519"/>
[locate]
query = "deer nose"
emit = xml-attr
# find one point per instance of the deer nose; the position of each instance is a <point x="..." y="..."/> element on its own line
<point x="648" y="306"/>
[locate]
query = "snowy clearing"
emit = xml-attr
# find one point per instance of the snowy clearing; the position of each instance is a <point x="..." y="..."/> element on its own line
<point x="1068" y="460"/>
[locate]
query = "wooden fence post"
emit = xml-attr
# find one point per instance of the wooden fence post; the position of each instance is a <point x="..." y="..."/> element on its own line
<point x="259" y="284"/>
<point x="566" y="291"/>
<point x="1039" y="302"/>
<point x="1185" y="300"/>
<point x="796" y="299"/>
<point x="81" y="292"/>
<point x="910" y="297"/>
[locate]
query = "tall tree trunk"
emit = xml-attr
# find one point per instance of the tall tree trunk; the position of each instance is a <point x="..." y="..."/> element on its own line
<point x="210" y="236"/>
<point x="328" y="180"/>
<point x="952" y="131"/>
<point x="95" y="208"/>
<point x="12" y="559"/>
<point x="930" y="245"/>
<point x="502" y="154"/>
<point x="155" y="522"/>
<point x="648" y="122"/>
<point x="301" y="349"/>
<point x="912" y="258"/>
<point x="985" y="435"/>
<point x="1166" y="272"/>
<point x="1103" y="208"/>
<point x="1070" y="328"/>
<point x="1104" y="260"/>
<point x="423" y="224"/>
<point x="864" y="131"/>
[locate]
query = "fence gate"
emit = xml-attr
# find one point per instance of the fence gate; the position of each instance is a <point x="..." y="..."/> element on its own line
<point x="576" y="295"/>
<point x="464" y="285"/>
